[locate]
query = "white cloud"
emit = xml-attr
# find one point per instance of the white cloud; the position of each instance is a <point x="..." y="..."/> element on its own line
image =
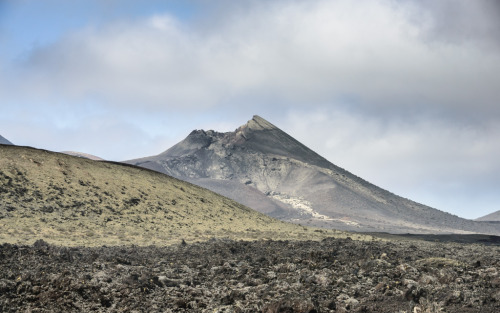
<point x="293" y="52"/>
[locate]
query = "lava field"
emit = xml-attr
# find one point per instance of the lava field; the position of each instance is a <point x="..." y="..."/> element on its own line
<point x="333" y="275"/>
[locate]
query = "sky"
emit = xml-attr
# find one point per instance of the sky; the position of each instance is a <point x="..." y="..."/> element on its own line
<point x="403" y="93"/>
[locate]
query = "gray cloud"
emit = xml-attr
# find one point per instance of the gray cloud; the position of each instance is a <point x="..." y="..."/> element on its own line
<point x="460" y="22"/>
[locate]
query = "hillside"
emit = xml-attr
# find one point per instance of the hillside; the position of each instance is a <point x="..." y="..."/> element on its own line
<point x="71" y="201"/>
<point x="296" y="184"/>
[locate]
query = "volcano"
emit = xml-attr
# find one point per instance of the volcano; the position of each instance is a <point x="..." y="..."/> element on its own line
<point x="263" y="167"/>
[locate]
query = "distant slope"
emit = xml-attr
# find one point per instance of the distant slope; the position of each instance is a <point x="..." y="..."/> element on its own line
<point x="304" y="187"/>
<point x="492" y="217"/>
<point x="83" y="155"/>
<point x="74" y="201"/>
<point x="4" y="141"/>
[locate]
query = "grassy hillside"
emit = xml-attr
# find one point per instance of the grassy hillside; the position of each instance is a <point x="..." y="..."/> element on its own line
<point x="72" y="201"/>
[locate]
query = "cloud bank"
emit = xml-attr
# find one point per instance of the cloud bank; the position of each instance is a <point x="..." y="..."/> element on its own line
<point x="403" y="93"/>
<point x="376" y="52"/>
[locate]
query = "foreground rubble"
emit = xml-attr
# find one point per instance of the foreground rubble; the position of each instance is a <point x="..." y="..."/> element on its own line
<point x="334" y="275"/>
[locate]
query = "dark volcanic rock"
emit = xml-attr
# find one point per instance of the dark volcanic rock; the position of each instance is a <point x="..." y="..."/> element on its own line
<point x="263" y="276"/>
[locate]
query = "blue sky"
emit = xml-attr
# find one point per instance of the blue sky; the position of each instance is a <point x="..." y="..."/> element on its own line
<point x="401" y="93"/>
<point x="28" y="25"/>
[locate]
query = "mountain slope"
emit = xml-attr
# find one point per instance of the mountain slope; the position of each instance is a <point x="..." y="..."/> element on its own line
<point x="4" y="141"/>
<point x="492" y="217"/>
<point x="83" y="155"/>
<point x="303" y="186"/>
<point x="75" y="201"/>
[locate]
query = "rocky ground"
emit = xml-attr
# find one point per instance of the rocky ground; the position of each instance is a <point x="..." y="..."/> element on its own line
<point x="334" y="275"/>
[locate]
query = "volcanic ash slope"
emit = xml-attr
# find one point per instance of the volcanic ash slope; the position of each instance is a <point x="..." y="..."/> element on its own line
<point x="262" y="167"/>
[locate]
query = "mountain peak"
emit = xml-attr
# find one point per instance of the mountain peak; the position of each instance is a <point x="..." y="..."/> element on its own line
<point x="262" y="166"/>
<point x="258" y="123"/>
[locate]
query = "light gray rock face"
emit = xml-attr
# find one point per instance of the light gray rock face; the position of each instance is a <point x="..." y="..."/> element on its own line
<point x="4" y="141"/>
<point x="264" y="168"/>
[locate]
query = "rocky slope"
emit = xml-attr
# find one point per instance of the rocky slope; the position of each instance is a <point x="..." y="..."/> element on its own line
<point x="73" y="201"/>
<point x="262" y="276"/>
<point x="4" y="141"/>
<point x="262" y="167"/>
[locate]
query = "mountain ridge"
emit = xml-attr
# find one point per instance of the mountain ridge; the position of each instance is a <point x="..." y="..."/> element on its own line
<point x="306" y="187"/>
